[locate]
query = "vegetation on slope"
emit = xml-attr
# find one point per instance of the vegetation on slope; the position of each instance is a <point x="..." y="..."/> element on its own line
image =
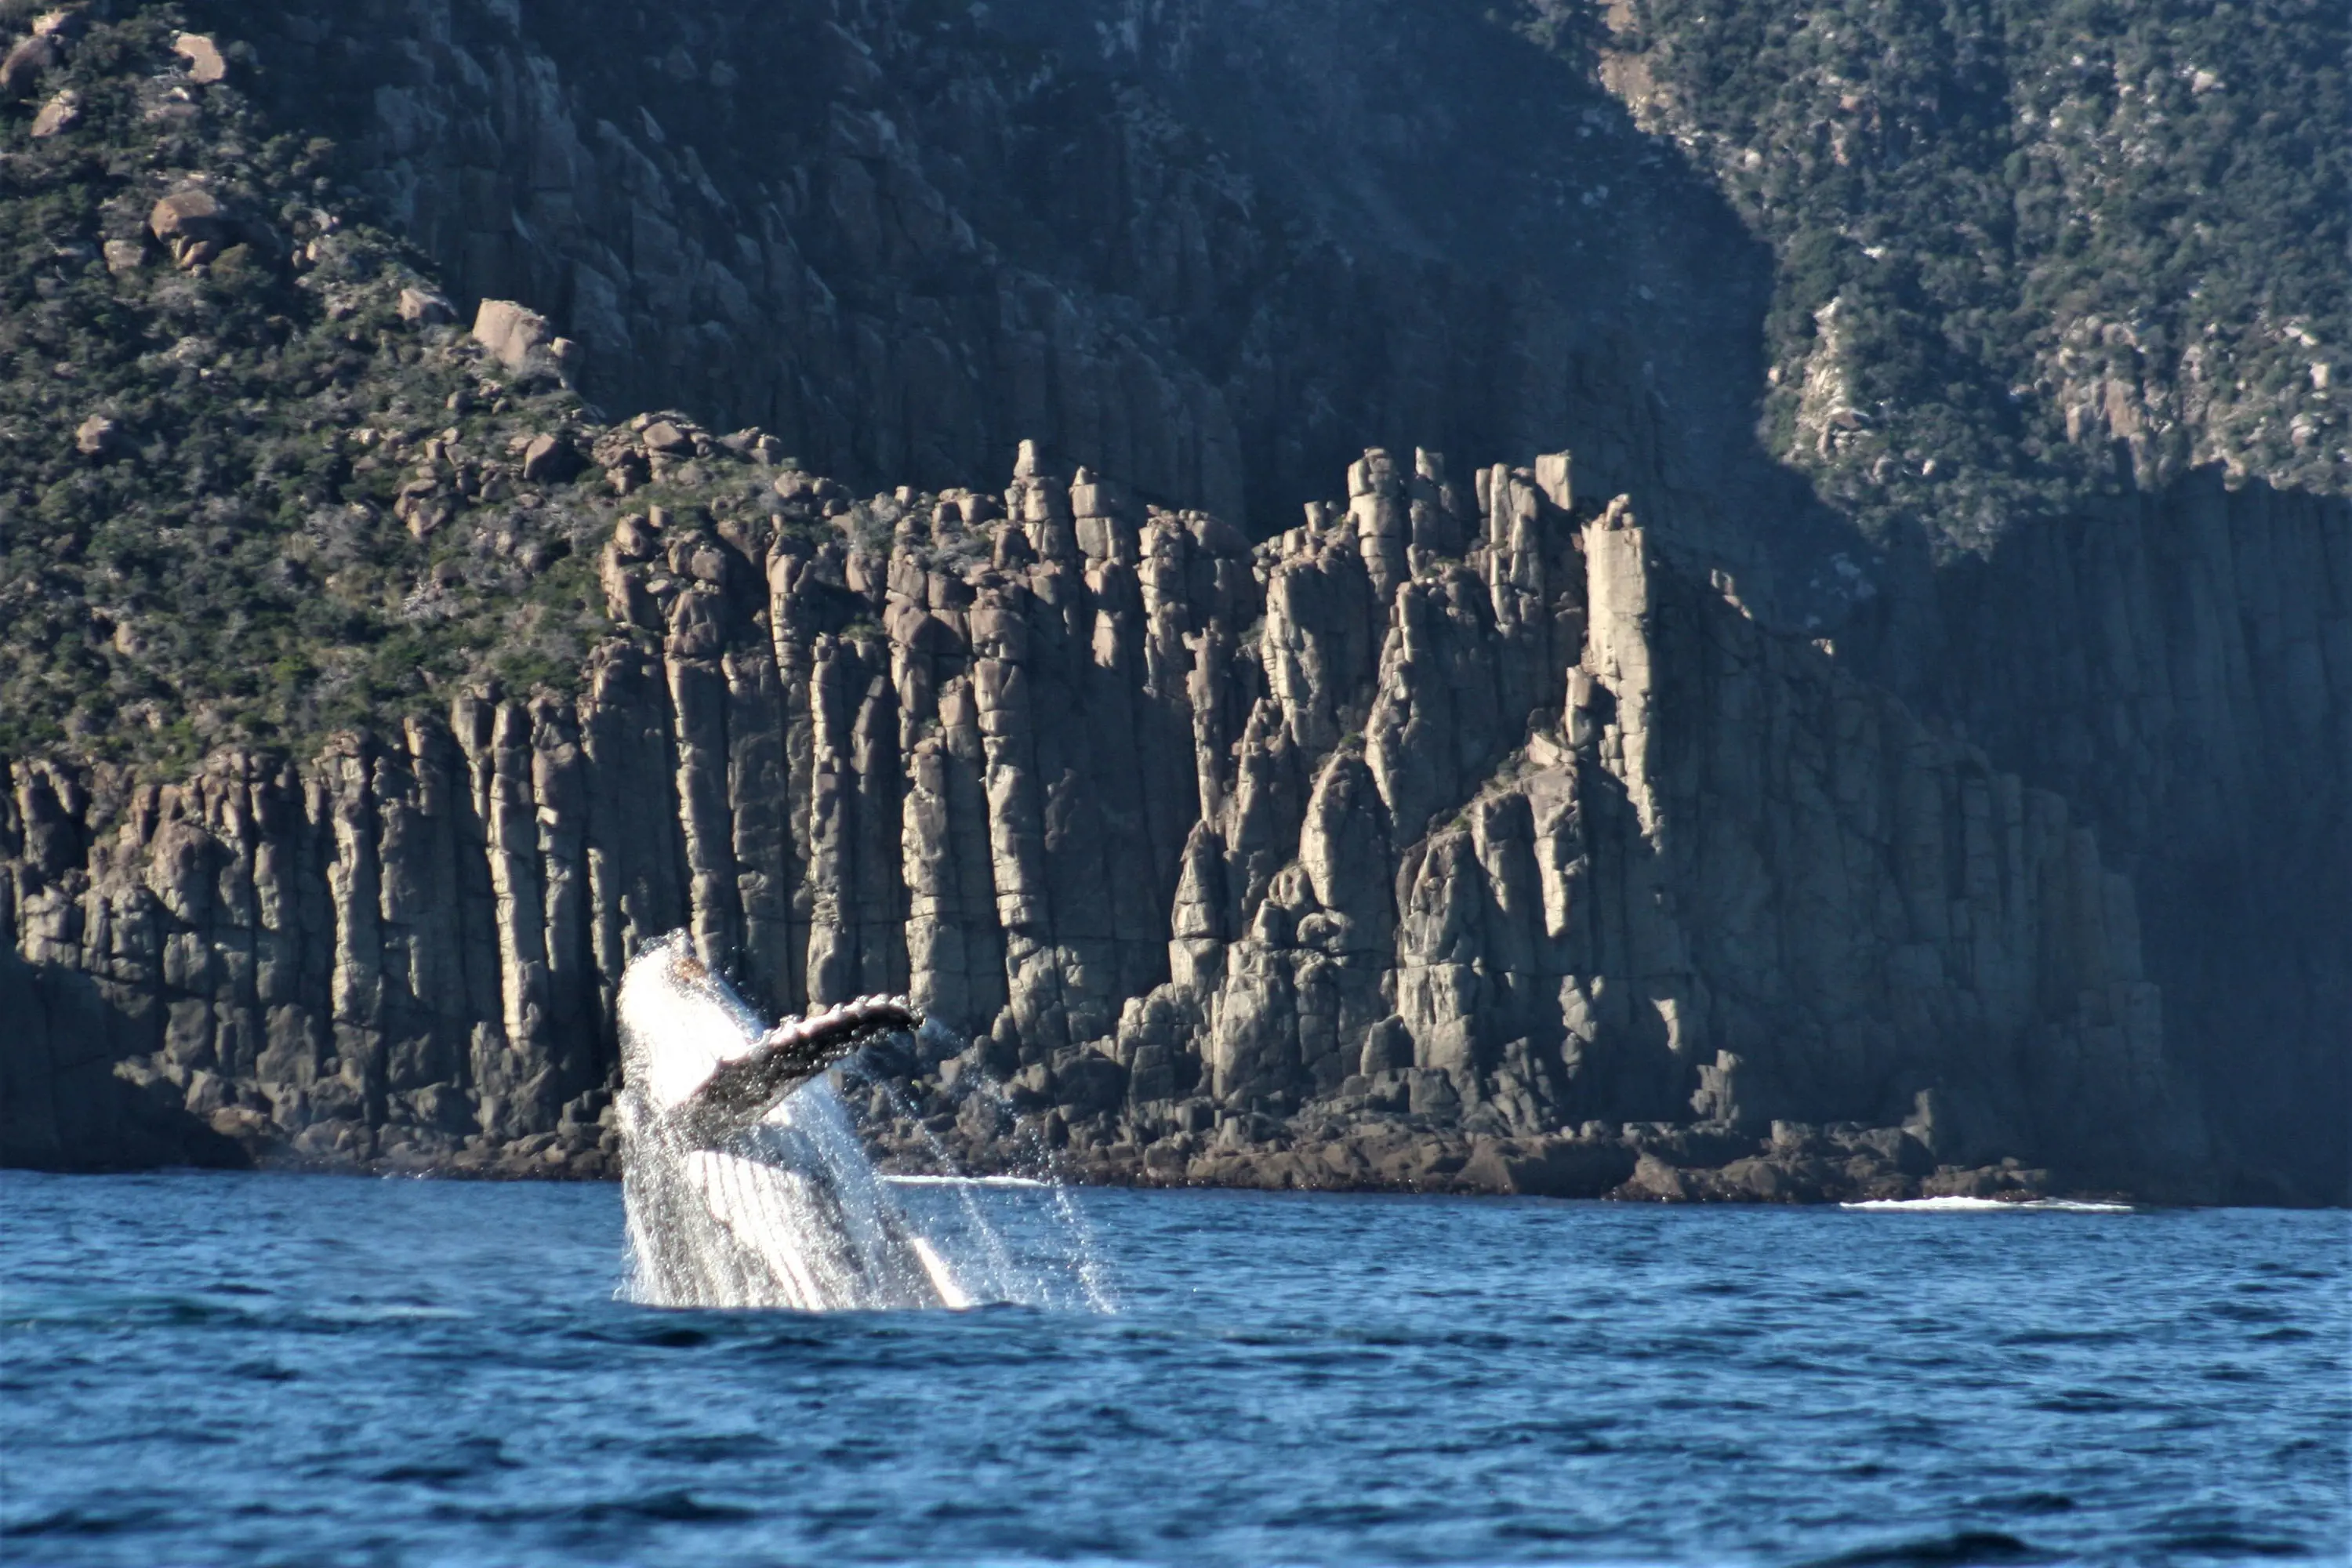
<point x="2013" y="234"/>
<point x="205" y="442"/>
<point x="254" y="487"/>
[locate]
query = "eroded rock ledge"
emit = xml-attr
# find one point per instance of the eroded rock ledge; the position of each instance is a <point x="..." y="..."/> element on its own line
<point x="1459" y="812"/>
<point x="1644" y="1163"/>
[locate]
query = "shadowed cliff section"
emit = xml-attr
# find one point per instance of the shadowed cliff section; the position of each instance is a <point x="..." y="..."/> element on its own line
<point x="903" y="239"/>
<point x="2179" y="665"/>
<point x="64" y="1106"/>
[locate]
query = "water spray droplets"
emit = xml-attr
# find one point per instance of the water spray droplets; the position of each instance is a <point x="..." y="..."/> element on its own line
<point x="746" y="1183"/>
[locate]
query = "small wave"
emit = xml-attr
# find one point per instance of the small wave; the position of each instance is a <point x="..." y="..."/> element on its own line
<point x="966" y="1182"/>
<point x="1985" y="1205"/>
<point x="2231" y="1544"/>
<point x="714" y="1449"/>
<point x="672" y="1506"/>
<point x="80" y="1521"/>
<point x="426" y="1475"/>
<point x="2033" y="1502"/>
<point x="1970" y="1547"/>
<point x="2089" y="1402"/>
<point x="391" y="1312"/>
<point x="668" y="1507"/>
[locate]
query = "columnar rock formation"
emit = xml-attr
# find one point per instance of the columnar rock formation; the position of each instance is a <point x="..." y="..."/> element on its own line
<point x="1458" y="806"/>
<point x="2179" y="665"/>
<point x="1460" y="801"/>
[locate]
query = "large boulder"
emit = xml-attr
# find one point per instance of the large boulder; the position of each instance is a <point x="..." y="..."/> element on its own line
<point x="665" y="438"/>
<point x="192" y="224"/>
<point x="1549" y="1167"/>
<point x="97" y="436"/>
<point x="207" y="65"/>
<point x="56" y="115"/>
<point x="512" y="333"/>
<point x="549" y="459"/>
<point x="425" y="307"/>
<point x="26" y="63"/>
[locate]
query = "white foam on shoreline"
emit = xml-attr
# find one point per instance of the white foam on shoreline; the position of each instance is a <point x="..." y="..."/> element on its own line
<point x="965" y="1181"/>
<point x="1985" y="1205"/>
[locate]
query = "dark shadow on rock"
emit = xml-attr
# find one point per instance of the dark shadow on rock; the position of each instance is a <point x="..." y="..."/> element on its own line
<point x="62" y="1105"/>
<point x="1216" y="251"/>
<point x="2171" y="662"/>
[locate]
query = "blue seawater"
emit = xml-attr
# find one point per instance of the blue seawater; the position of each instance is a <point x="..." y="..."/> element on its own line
<point x="268" y="1369"/>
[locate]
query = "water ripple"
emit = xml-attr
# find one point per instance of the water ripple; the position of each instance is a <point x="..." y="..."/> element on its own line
<point x="202" y="1370"/>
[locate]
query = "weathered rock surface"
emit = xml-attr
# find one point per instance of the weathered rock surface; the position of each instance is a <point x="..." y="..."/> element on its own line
<point x="27" y="60"/>
<point x="904" y="240"/>
<point x="206" y="64"/>
<point x="2179" y="667"/>
<point x="58" y="115"/>
<point x="1641" y="1163"/>
<point x="1458" y="812"/>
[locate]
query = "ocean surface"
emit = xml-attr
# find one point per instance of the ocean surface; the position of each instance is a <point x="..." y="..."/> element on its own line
<point x="308" y="1370"/>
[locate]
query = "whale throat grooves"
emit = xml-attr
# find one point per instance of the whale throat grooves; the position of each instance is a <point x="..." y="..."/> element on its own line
<point x="745" y="1183"/>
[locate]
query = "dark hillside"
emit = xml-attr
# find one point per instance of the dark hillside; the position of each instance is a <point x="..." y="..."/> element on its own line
<point x="206" y="420"/>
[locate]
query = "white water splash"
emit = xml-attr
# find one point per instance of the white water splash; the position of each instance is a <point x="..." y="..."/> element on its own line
<point x="966" y="1182"/>
<point x="787" y="1212"/>
<point x="1985" y="1205"/>
<point x="1040" y="1251"/>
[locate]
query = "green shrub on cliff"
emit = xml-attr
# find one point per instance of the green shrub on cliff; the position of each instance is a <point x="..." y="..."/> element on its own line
<point x="2025" y="246"/>
<point x="204" y="438"/>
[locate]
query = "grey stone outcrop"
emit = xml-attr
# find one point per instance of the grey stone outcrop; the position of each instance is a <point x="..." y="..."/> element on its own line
<point x="1460" y="811"/>
<point x="2178" y="664"/>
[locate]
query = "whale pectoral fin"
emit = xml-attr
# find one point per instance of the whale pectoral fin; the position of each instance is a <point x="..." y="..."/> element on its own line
<point x="741" y="1091"/>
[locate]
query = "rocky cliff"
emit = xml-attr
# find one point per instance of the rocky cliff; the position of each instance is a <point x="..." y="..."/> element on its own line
<point x="905" y="237"/>
<point x="1456" y="807"/>
<point x="1528" y="228"/>
<point x="1467" y="832"/>
<point x="2179" y="665"/>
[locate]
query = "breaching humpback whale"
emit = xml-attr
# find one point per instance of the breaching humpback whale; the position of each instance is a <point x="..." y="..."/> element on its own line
<point x="741" y="1191"/>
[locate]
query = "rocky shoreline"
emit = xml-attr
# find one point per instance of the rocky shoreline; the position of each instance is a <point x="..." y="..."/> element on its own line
<point x="1845" y="1170"/>
<point x="1656" y="1164"/>
<point x="1651" y="1162"/>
